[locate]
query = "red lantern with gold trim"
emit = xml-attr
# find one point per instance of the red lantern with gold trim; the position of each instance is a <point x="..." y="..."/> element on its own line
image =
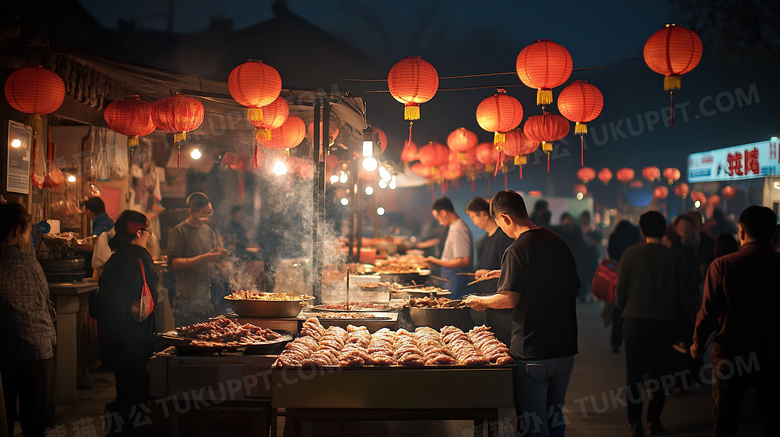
<point x="461" y="140"/>
<point x="381" y="138"/>
<point x="519" y="145"/>
<point x="581" y="103"/>
<point x="255" y="84"/>
<point x="178" y="115"/>
<point x="422" y="170"/>
<point x="651" y="173"/>
<point x="131" y="117"/>
<point x="544" y="65"/>
<point x="487" y="154"/>
<point x="413" y="81"/>
<point x="274" y="115"/>
<point x="729" y="192"/>
<point x="682" y="190"/>
<point x="673" y="51"/>
<point x="671" y="175"/>
<point x="546" y="129"/>
<point x="288" y="135"/>
<point x="434" y="154"/>
<point x="625" y="174"/>
<point x="333" y="131"/>
<point x="660" y="192"/>
<point x="409" y="153"/>
<point x="499" y="113"/>
<point x="605" y="175"/>
<point x="586" y="174"/>
<point x="35" y="90"/>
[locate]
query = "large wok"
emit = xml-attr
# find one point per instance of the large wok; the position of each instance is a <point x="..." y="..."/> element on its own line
<point x="438" y="318"/>
<point x="418" y="277"/>
<point x="267" y="308"/>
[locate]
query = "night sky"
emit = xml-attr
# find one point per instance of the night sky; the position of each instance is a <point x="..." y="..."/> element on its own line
<point x="723" y="102"/>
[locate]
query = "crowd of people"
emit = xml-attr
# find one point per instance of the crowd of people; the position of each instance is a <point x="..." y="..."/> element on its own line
<point x="679" y="288"/>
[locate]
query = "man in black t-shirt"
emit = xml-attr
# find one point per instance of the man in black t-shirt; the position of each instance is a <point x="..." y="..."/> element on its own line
<point x="538" y="280"/>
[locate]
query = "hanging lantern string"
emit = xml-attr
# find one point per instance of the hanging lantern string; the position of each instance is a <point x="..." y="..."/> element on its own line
<point x="671" y="98"/>
<point x="509" y="73"/>
<point x="410" y="131"/>
<point x="582" y="150"/>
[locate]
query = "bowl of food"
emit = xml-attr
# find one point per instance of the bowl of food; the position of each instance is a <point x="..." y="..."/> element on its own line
<point x="257" y="304"/>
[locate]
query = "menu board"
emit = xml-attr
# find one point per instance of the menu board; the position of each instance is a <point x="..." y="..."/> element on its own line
<point x="18" y="163"/>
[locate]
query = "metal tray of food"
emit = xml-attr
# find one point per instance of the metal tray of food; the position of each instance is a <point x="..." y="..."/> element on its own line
<point x="438" y="318"/>
<point x="353" y="307"/>
<point x="266" y="308"/>
<point x="184" y="345"/>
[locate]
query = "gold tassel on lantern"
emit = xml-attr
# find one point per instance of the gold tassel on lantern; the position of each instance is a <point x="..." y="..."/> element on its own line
<point x="262" y="134"/>
<point x="461" y="156"/>
<point x="132" y="141"/>
<point x="544" y="97"/>
<point x="671" y="83"/>
<point x="254" y="114"/>
<point x="412" y="111"/>
<point x="499" y="138"/>
<point x="178" y="137"/>
<point x="580" y="128"/>
<point x="547" y="147"/>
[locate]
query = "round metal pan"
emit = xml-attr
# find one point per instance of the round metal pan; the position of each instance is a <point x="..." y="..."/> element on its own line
<point x="380" y="308"/>
<point x="266" y="308"/>
<point x="438" y="318"/>
<point x="419" y="277"/>
<point x="184" y="347"/>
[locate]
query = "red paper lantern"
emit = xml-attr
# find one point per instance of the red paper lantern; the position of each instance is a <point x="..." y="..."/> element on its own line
<point x="714" y="200"/>
<point x="274" y="115"/>
<point x="461" y="140"/>
<point x="581" y="102"/>
<point x="35" y="90"/>
<point x="434" y="154"/>
<point x="519" y="145"/>
<point x="651" y="173"/>
<point x="682" y="190"/>
<point x="579" y="188"/>
<point x="535" y="194"/>
<point x="729" y="192"/>
<point x="255" y="84"/>
<point x="625" y="174"/>
<point x="605" y="175"/>
<point x="413" y="81"/>
<point x="546" y="129"/>
<point x="671" y="175"/>
<point x="333" y="131"/>
<point x="586" y="174"/>
<point x="288" y="135"/>
<point x="499" y="113"/>
<point x="178" y="115"/>
<point x="453" y="171"/>
<point x="382" y="138"/>
<point x="131" y="117"/>
<point x="698" y="196"/>
<point x="544" y="65"/>
<point x="422" y="170"/>
<point x="409" y="153"/>
<point x="673" y="51"/>
<point x="660" y="192"/>
<point x="487" y="155"/>
<point x="331" y="163"/>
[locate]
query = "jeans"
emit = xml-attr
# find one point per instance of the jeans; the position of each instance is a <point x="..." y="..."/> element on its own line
<point x="648" y="343"/>
<point x="540" y="389"/>
<point x="728" y="391"/>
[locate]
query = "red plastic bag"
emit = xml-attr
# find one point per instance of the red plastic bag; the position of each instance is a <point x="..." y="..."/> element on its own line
<point x="144" y="306"/>
<point x="605" y="281"/>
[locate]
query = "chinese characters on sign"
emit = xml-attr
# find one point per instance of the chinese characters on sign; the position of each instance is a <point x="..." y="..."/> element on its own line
<point x="750" y="166"/>
<point x="746" y="161"/>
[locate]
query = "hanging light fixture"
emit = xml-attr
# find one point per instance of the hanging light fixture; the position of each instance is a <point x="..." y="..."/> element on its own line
<point x="368" y="142"/>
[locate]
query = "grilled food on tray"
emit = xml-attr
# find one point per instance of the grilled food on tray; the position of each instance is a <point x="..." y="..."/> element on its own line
<point x="225" y="332"/>
<point x="428" y="302"/>
<point x="253" y="295"/>
<point x="344" y="315"/>
<point x="356" y="347"/>
<point x="357" y="306"/>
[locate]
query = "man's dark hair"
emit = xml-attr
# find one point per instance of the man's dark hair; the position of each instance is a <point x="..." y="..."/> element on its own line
<point x="759" y="223"/>
<point x="541" y="205"/>
<point x="684" y="218"/>
<point x="508" y="202"/>
<point x="477" y="205"/>
<point x="652" y="224"/>
<point x="443" y="204"/>
<point x="12" y="215"/>
<point x="95" y="205"/>
<point x="197" y="201"/>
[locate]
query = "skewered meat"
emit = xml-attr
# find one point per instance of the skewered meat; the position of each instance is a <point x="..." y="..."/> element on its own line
<point x="253" y="295"/>
<point x="493" y="349"/>
<point x="225" y="332"/>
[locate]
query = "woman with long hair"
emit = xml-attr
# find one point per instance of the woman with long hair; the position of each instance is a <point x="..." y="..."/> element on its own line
<point x="125" y="344"/>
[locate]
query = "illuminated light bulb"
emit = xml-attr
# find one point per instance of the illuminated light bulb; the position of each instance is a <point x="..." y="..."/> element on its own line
<point x="382" y="184"/>
<point x="71" y="178"/>
<point x="344" y="201"/>
<point x="392" y="183"/>
<point x="697" y="204"/>
<point x="384" y="174"/>
<point x="580" y="196"/>
<point x="369" y="190"/>
<point x="280" y="168"/>
<point x="380" y="211"/>
<point x="195" y="154"/>
<point x="334" y="179"/>
<point x="16" y="142"/>
<point x="343" y="178"/>
<point x="370" y="164"/>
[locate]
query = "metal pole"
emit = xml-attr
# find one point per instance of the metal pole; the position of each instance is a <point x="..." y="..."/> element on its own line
<point x="315" y="237"/>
